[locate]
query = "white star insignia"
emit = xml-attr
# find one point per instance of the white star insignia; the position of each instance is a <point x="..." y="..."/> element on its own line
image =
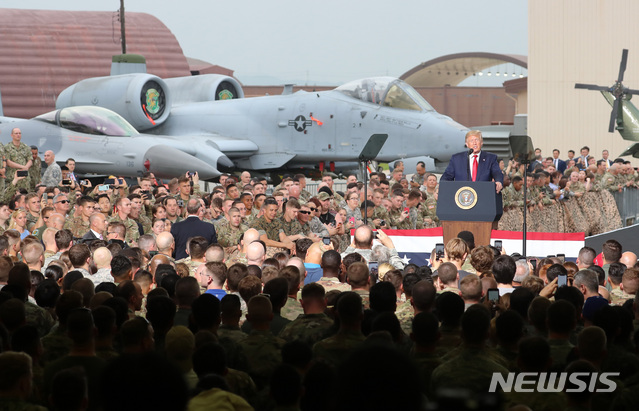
<point x="405" y="260"/>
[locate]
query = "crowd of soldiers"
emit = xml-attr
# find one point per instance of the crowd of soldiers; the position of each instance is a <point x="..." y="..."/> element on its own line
<point x="572" y="195"/>
<point x="283" y="310"/>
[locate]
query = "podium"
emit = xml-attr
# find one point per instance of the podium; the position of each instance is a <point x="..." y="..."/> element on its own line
<point x="469" y="206"/>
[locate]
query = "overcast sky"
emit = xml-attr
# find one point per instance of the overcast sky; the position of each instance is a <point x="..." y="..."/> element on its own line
<point x="325" y="42"/>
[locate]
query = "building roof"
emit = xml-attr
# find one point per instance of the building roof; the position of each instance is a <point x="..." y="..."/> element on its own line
<point x="42" y="52"/>
<point x="455" y="68"/>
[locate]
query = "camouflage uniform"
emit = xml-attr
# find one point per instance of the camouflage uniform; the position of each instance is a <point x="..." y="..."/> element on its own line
<point x="308" y="328"/>
<point x="405" y="314"/>
<point x="332" y="283"/>
<point x="619" y="297"/>
<point x="193" y="265"/>
<point x="235" y="334"/>
<point x="415" y="217"/>
<point x="235" y="356"/>
<point x="609" y="182"/>
<point x="229" y="236"/>
<point x="429" y="210"/>
<point x="292" y="309"/>
<point x="264" y="353"/>
<point x="146" y="223"/>
<point x="77" y="225"/>
<point x="472" y="369"/>
<point x="55" y="345"/>
<point x="20" y="155"/>
<point x="39" y="318"/>
<point x="305" y="195"/>
<point x="240" y="383"/>
<point x="132" y="231"/>
<point x="356" y="214"/>
<point x="9" y="191"/>
<point x="381" y="213"/>
<point x="252" y="216"/>
<point x="317" y="227"/>
<point x="31" y="221"/>
<point x="366" y="299"/>
<point x="236" y="257"/>
<point x="218" y="223"/>
<point x="395" y="216"/>
<point x="418" y="178"/>
<point x="35" y="172"/>
<point x="272" y="229"/>
<point x="426" y="364"/>
<point x="291" y="228"/>
<point x="337" y="348"/>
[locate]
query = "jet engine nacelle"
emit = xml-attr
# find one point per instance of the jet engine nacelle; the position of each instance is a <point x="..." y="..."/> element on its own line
<point x="205" y="87"/>
<point x="142" y="99"/>
<point x="410" y="163"/>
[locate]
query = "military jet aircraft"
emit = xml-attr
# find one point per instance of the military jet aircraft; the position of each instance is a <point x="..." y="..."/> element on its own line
<point x="103" y="142"/>
<point x="305" y="131"/>
<point x="624" y="116"/>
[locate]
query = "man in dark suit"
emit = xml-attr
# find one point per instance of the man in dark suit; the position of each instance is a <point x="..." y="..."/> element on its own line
<point x="560" y="165"/>
<point x="474" y="164"/>
<point x="97" y="228"/>
<point x="190" y="227"/>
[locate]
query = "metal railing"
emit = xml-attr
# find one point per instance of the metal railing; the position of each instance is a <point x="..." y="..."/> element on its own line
<point x="312" y="187"/>
<point x="628" y="204"/>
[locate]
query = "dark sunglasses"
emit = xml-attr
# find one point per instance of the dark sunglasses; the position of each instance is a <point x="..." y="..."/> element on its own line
<point x="62" y="202"/>
<point x="305" y="212"/>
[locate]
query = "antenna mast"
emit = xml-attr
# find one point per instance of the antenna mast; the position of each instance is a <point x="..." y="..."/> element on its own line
<point x="122" y="32"/>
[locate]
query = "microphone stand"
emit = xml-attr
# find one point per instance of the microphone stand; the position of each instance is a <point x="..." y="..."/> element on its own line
<point x="524" y="228"/>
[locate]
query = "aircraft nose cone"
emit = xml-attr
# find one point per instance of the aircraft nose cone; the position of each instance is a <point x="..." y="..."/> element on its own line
<point x="168" y="162"/>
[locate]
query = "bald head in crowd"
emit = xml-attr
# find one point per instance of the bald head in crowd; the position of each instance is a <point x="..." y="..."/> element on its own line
<point x="56" y="220"/>
<point x="255" y="253"/>
<point x="294" y="191"/>
<point x="249" y="236"/>
<point x="628" y="258"/>
<point x="102" y="257"/>
<point x="157" y="260"/>
<point x="364" y="237"/>
<point x="165" y="243"/>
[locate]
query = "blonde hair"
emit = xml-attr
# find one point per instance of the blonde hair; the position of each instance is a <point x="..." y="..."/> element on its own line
<point x="475" y="133"/>
<point x="14" y="215"/>
<point x="383" y="269"/>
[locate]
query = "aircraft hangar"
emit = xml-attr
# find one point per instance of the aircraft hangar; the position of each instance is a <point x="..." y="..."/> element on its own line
<point x="43" y="51"/>
<point x="576" y="41"/>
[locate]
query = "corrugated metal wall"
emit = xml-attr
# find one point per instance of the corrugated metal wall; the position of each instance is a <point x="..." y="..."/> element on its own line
<point x="578" y="41"/>
<point x="42" y="52"/>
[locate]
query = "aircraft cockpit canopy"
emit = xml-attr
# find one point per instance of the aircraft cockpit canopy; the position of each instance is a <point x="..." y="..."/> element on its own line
<point x="386" y="92"/>
<point x="90" y="120"/>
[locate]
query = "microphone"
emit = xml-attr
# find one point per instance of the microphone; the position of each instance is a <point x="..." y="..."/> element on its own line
<point x="470" y="151"/>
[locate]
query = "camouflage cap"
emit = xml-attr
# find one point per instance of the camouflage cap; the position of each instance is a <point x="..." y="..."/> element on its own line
<point x="323" y="196"/>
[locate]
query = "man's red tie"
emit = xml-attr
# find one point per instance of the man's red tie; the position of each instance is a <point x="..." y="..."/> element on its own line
<point x="474" y="167"/>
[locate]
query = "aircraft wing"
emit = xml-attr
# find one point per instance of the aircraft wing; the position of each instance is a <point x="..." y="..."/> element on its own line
<point x="633" y="150"/>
